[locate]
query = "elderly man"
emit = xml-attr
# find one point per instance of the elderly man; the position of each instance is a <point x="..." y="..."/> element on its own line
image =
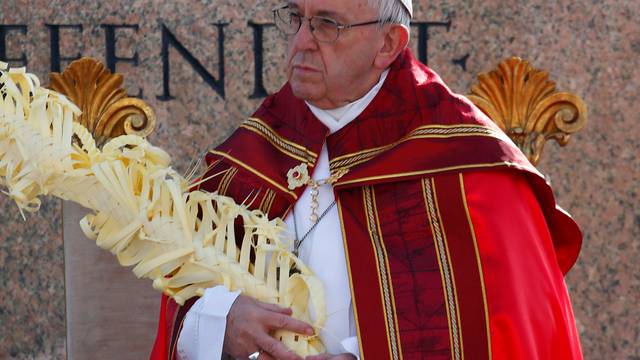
<point x="433" y="235"/>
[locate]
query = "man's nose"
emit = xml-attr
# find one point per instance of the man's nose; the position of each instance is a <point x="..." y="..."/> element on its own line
<point x="304" y="39"/>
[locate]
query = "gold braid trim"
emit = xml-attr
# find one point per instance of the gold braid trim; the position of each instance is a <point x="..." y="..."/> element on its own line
<point x="285" y="146"/>
<point x="424" y="132"/>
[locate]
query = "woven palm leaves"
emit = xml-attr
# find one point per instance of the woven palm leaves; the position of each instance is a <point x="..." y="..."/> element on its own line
<point x="140" y="209"/>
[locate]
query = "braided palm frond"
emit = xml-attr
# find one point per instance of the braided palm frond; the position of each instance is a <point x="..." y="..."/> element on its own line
<point x="27" y="113"/>
<point x="142" y="211"/>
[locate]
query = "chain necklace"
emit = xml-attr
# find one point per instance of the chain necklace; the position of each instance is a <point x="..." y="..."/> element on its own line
<point x="298" y="241"/>
<point x="299" y="176"/>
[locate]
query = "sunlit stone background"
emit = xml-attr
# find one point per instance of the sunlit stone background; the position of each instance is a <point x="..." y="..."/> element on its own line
<point x="589" y="47"/>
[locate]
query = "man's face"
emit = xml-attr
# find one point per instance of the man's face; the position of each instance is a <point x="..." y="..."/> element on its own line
<point x="329" y="75"/>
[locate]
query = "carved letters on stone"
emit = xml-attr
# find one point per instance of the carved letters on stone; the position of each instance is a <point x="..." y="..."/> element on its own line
<point x="423" y="30"/>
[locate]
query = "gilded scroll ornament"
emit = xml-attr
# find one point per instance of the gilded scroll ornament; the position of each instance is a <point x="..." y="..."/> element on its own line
<point x="107" y="111"/>
<point x="525" y="104"/>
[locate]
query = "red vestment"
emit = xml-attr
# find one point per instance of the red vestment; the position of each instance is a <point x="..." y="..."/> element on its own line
<point x="455" y="246"/>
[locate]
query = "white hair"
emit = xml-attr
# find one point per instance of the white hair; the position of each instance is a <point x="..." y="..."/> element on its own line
<point x="392" y="12"/>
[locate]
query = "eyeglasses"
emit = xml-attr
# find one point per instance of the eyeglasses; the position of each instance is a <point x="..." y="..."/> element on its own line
<point x="323" y="29"/>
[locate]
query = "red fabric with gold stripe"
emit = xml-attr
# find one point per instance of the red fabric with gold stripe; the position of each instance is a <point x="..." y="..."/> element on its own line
<point x="465" y="261"/>
<point x="532" y="319"/>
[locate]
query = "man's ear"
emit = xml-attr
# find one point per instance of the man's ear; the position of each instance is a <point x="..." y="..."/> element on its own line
<point x="395" y="40"/>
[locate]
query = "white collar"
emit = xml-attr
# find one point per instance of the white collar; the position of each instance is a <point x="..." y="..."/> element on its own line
<point x="336" y="119"/>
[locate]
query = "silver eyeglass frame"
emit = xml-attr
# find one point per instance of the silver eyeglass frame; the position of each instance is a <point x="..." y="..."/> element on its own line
<point x="339" y="27"/>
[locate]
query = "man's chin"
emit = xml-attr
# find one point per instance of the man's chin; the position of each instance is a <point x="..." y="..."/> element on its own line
<point x="304" y="92"/>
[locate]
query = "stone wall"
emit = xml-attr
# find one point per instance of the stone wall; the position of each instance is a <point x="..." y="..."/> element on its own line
<point x="590" y="48"/>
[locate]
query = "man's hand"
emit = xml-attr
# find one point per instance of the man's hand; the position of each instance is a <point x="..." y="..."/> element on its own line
<point x="331" y="357"/>
<point x="249" y="323"/>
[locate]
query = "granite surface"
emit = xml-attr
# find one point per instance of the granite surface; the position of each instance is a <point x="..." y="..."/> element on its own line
<point x="590" y="48"/>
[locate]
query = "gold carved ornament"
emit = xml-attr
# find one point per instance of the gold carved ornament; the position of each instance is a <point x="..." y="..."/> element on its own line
<point x="107" y="111"/>
<point x="524" y="103"/>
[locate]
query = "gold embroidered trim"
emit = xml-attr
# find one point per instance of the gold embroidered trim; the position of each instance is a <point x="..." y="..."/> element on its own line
<point x="446" y="272"/>
<point x="353" y="295"/>
<point x="231" y="176"/>
<point x="453" y="273"/>
<point x="285" y="146"/>
<point x="270" y="204"/>
<point x="223" y="186"/>
<point x="422" y="132"/>
<point x="432" y="171"/>
<point x="383" y="270"/>
<point x="267" y="201"/>
<point x="254" y="171"/>
<point x="481" y="273"/>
